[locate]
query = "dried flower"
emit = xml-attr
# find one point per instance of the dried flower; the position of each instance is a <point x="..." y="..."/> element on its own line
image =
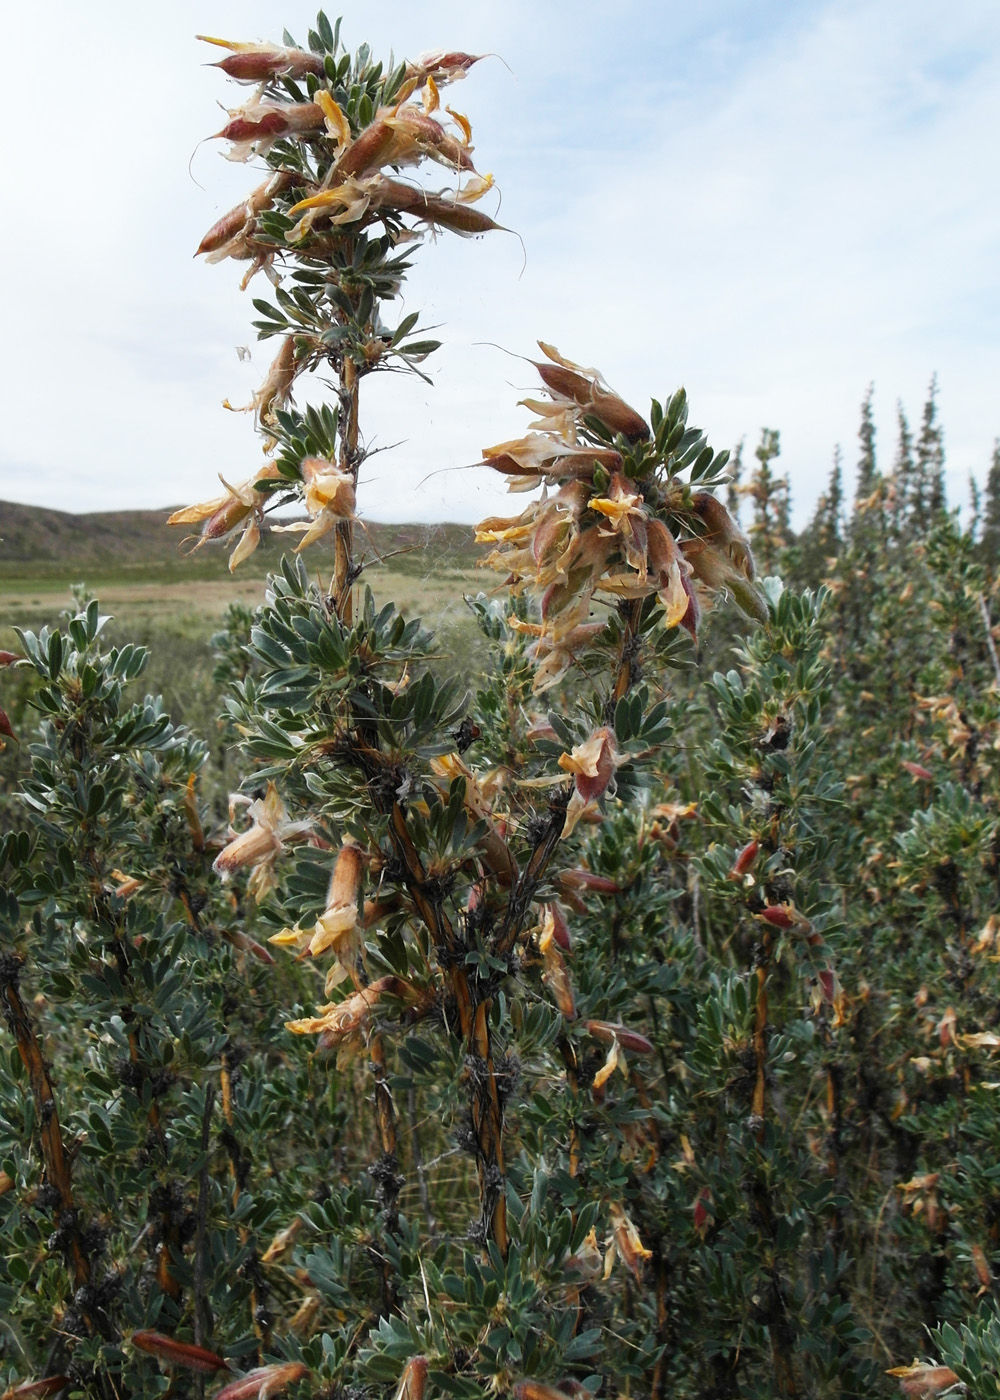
<point x="330" y="497"/>
<point x="480" y="794"/>
<point x="615" y="1060"/>
<point x="627" y="1244"/>
<point x="276" y="389"/>
<point x="262" y="843"/>
<point x="220" y="516"/>
<point x="345" y="1023"/>
<point x="588" y="1261"/>
<point x="593" y="766"/>
<point x="585" y="389"/>
<point x="337" y="928"/>
<point x="556" y="974"/>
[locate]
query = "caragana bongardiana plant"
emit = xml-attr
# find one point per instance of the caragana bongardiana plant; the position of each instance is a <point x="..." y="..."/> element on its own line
<point x="423" y="851"/>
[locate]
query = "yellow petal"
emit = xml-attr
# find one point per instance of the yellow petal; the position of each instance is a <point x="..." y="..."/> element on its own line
<point x="336" y="123"/>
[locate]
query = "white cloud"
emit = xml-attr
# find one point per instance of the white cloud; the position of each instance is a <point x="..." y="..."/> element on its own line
<point x="774" y="204"/>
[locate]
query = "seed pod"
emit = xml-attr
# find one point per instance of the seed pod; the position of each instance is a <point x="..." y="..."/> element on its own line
<point x="442" y="66"/>
<point x="586" y="880"/>
<point x="703" y="1211"/>
<point x="257" y="63"/>
<point x="246" y="944"/>
<point x="269" y="123"/>
<point x="226" y="229"/>
<point x="263" y="1382"/>
<point x="268" y="63"/>
<point x="51" y="1385"/>
<point x="413" y="1381"/>
<point x="535" y="1390"/>
<point x="560" y="928"/>
<point x="629" y="1040"/>
<point x="744" y="860"/>
<point x="922" y="1379"/>
<point x="178" y="1353"/>
<point x="366" y="152"/>
<point x="778" y="916"/>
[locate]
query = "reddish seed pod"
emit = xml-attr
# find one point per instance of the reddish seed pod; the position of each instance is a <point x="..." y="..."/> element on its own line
<point x="366" y="151"/>
<point x="413" y="1381"/>
<point x="178" y="1353"/>
<point x="223" y="230"/>
<point x="456" y="217"/>
<point x="692" y="617"/>
<point x="918" y="771"/>
<point x="259" y="66"/>
<point x="744" y="860"/>
<point x="628" y="1040"/>
<point x="265" y="1380"/>
<point x="453" y="64"/>
<point x="51" y="1385"/>
<point x="238" y="939"/>
<point x="560" y="928"/>
<point x="587" y="880"/>
<point x="534" y="1390"/>
<point x="777" y="915"/>
<point x="240" y="129"/>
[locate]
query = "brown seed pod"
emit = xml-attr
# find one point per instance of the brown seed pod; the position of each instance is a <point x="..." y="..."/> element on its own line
<point x="176" y="1353"/>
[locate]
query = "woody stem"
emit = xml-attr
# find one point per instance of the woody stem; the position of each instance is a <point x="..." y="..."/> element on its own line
<point x="340" y="588"/>
<point x="57" y="1167"/>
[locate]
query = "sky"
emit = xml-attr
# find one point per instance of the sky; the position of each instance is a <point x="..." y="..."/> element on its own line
<point x="774" y="204"/>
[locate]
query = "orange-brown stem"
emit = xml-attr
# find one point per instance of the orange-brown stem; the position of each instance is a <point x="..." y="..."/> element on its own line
<point x="343" y="563"/>
<point x="57" y="1166"/>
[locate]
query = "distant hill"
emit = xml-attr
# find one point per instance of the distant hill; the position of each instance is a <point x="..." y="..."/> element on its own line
<point x="34" y="539"/>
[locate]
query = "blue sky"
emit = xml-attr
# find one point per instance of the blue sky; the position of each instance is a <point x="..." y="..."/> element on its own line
<point x="774" y="204"/>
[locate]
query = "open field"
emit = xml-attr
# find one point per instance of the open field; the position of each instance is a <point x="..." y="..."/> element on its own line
<point x="173" y="602"/>
<point x="147" y="577"/>
<point x="198" y="604"/>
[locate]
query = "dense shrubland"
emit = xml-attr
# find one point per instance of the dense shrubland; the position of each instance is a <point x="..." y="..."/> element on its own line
<point x="626" y="1026"/>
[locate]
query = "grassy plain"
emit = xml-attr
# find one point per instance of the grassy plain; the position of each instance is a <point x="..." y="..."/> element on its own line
<point x="149" y="578"/>
<point x="173" y="601"/>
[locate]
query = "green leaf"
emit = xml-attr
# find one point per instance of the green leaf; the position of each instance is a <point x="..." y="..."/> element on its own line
<point x="325" y="32"/>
